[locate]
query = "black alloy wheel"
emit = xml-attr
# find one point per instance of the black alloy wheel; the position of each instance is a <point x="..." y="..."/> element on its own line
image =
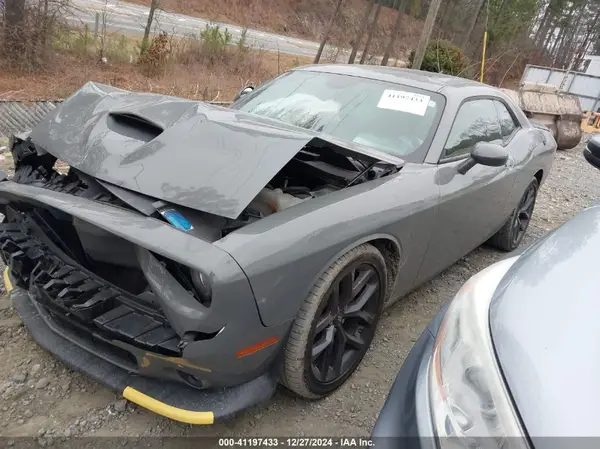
<point x="510" y="235"/>
<point x="335" y="324"/>
<point x="523" y="214"/>
<point x="346" y="324"/>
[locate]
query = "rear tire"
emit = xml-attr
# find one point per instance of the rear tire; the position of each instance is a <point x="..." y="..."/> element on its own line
<point x="336" y="324"/>
<point x="510" y="236"/>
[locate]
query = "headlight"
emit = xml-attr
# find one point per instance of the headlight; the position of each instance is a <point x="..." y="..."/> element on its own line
<point x="203" y="287"/>
<point x="470" y="404"/>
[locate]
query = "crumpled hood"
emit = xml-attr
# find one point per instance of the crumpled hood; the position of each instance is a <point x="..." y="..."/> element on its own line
<point x="544" y="324"/>
<point x="185" y="152"/>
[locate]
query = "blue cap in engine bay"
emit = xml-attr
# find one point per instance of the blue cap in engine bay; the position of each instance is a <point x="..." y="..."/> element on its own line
<point x="176" y="219"/>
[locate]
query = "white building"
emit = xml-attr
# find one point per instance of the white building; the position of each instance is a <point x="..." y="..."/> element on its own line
<point x="591" y="65"/>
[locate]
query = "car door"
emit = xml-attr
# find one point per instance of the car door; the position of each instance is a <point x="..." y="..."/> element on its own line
<point x="521" y="147"/>
<point x="474" y="205"/>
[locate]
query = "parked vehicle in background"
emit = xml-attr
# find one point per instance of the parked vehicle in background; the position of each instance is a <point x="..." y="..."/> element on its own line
<point x="490" y="368"/>
<point x="194" y="256"/>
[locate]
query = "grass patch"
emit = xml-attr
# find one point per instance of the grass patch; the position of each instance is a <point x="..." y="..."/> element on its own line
<point x="115" y="47"/>
<point x="185" y="73"/>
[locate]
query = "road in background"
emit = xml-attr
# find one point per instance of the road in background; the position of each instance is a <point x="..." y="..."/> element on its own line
<point x="130" y="18"/>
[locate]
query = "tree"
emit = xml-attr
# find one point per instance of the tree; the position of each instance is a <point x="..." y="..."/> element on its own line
<point x="394" y="34"/>
<point x="328" y="31"/>
<point x="427" y="28"/>
<point x="542" y="29"/>
<point x="372" y="29"/>
<point x="589" y="35"/>
<point x="565" y="53"/>
<point x="473" y="22"/>
<point x="14" y="13"/>
<point x="361" y="31"/>
<point x="153" y="6"/>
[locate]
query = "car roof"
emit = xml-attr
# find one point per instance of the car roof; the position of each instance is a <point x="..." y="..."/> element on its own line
<point x="435" y="82"/>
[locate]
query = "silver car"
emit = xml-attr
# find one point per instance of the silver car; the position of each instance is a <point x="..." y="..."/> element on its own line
<point x="512" y="360"/>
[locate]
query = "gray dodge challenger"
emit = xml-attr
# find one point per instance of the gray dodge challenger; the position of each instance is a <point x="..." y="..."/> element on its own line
<point x="194" y="256"/>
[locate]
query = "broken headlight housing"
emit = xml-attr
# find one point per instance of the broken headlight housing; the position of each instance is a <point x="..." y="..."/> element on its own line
<point x="470" y="403"/>
<point x="202" y="284"/>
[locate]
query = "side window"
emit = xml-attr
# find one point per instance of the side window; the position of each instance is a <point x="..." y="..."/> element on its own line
<point x="476" y="121"/>
<point x="508" y="125"/>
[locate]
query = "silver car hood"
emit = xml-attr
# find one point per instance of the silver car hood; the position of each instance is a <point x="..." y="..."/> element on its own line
<point x="544" y="324"/>
<point x="205" y="157"/>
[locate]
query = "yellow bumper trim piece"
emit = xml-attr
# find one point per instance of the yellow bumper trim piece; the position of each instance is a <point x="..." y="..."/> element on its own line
<point x="177" y="414"/>
<point x="7" y="284"/>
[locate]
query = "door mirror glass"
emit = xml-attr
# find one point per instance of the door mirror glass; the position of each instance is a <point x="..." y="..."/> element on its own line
<point x="245" y="91"/>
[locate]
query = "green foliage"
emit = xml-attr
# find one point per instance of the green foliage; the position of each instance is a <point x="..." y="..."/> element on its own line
<point x="214" y="47"/>
<point x="119" y="49"/>
<point x="415" y="8"/>
<point x="444" y="57"/>
<point x="79" y="42"/>
<point x="116" y="47"/>
<point x="215" y="40"/>
<point x="143" y="46"/>
<point x="509" y="19"/>
<point x="242" y="42"/>
<point x="394" y="4"/>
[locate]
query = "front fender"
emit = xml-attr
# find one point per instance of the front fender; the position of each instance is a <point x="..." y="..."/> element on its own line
<point x="284" y="254"/>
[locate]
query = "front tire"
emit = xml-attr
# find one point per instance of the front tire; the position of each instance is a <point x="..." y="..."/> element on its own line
<point x="510" y="236"/>
<point x="336" y="324"/>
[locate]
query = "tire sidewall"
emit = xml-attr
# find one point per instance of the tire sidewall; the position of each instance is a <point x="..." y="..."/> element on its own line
<point x="536" y="186"/>
<point x="373" y="258"/>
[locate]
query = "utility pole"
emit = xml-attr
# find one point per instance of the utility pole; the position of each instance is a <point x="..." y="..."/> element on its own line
<point x="327" y="31"/>
<point x="427" y="29"/>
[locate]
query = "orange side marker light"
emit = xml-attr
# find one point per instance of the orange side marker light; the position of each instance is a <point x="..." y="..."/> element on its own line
<point x="257" y="347"/>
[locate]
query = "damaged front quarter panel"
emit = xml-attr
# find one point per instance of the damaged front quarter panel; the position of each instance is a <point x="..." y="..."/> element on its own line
<point x="233" y="309"/>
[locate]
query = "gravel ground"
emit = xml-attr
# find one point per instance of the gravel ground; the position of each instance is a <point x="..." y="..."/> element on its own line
<point x="41" y="397"/>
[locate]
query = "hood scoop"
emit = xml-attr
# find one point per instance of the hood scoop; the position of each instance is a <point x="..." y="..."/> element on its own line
<point x="133" y="126"/>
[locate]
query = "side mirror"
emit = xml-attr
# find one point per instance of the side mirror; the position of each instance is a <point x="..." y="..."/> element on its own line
<point x="245" y="91"/>
<point x="485" y="153"/>
<point x="591" y="152"/>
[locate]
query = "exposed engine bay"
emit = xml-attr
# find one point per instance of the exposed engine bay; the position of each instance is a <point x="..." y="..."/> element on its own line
<point x="310" y="174"/>
<point x="86" y="262"/>
<point x="314" y="171"/>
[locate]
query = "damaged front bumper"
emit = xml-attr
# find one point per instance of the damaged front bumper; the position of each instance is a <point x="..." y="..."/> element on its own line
<point x="172" y="400"/>
<point x="161" y="349"/>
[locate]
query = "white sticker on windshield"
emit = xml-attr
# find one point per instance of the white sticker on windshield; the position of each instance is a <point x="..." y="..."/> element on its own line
<point x="398" y="100"/>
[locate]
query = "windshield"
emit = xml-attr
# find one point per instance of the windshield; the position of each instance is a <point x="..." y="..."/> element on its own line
<point x="392" y="118"/>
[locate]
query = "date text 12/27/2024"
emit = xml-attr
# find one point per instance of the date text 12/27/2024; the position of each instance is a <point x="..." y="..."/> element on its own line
<point x="295" y="442"/>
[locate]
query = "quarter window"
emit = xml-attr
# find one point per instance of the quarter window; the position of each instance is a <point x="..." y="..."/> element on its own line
<point x="508" y="124"/>
<point x="476" y="121"/>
